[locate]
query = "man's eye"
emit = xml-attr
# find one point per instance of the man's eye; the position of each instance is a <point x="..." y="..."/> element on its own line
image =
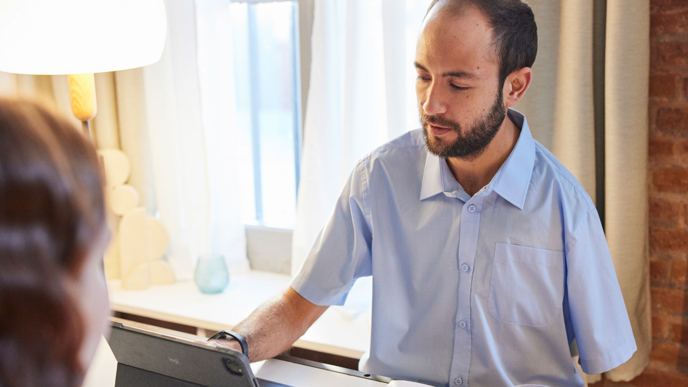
<point x="458" y="87"/>
<point x="422" y="78"/>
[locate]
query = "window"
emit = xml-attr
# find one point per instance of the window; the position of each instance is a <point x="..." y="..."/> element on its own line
<point x="266" y="63"/>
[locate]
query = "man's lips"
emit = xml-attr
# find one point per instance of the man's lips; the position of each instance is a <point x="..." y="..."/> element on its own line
<point x="438" y="130"/>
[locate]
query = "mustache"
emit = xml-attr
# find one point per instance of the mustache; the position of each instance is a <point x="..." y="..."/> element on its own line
<point x="439" y="121"/>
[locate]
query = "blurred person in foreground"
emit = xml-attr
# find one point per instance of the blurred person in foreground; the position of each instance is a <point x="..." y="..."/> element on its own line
<point x="53" y="296"/>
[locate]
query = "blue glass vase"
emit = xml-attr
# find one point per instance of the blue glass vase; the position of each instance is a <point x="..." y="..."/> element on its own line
<point x="212" y="275"/>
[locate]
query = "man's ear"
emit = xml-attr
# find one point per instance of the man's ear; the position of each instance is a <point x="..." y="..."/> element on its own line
<point x="516" y="84"/>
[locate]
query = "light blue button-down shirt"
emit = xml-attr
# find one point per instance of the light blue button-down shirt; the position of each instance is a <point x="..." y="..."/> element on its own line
<point x="488" y="290"/>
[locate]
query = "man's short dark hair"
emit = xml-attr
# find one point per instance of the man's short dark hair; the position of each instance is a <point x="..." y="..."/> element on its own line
<point x="514" y="29"/>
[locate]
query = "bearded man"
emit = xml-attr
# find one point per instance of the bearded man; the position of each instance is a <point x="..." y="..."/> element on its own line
<point x="487" y="256"/>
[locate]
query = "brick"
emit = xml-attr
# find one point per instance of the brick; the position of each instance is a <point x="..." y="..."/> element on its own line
<point x="679" y="271"/>
<point x="674" y="23"/>
<point x="668" y="240"/>
<point x="672" y="119"/>
<point x="670" y="300"/>
<point x="683" y="150"/>
<point x="679" y="333"/>
<point x="661" y="148"/>
<point x="609" y="383"/>
<point x="673" y="53"/>
<point x="658" y="269"/>
<point x="666" y="211"/>
<point x="663" y="85"/>
<point x="657" y="378"/>
<point x="660" y="328"/>
<point x="663" y="6"/>
<point x="665" y="353"/>
<point x="671" y="180"/>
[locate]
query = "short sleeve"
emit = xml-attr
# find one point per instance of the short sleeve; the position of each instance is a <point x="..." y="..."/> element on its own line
<point x="341" y="252"/>
<point x="597" y="313"/>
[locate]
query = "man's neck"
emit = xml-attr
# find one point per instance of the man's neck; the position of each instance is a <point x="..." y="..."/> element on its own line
<point x="474" y="174"/>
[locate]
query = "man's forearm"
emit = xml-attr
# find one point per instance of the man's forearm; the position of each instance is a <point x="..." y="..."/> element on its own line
<point x="276" y="325"/>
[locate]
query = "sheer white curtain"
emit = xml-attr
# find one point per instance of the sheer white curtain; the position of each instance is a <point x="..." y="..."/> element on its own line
<point x="361" y="95"/>
<point x="179" y="114"/>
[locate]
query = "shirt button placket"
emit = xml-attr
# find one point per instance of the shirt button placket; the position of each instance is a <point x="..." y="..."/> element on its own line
<point x="468" y="240"/>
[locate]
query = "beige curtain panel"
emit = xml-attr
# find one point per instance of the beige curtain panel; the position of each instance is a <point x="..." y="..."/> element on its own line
<point x="588" y="105"/>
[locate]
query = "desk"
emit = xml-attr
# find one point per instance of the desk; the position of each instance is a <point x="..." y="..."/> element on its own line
<point x="343" y="331"/>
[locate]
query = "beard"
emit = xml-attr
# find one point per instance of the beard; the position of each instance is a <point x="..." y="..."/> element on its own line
<point x="470" y="143"/>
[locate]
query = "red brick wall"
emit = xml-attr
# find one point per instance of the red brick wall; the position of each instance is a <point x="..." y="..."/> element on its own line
<point x="668" y="175"/>
<point x="668" y="196"/>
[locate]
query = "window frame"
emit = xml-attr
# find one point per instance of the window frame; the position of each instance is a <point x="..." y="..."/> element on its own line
<point x="269" y="248"/>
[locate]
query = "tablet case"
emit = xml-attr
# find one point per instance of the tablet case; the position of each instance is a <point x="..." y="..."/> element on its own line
<point x="154" y="360"/>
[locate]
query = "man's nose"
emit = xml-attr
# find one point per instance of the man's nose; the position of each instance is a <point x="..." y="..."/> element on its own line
<point x="434" y="103"/>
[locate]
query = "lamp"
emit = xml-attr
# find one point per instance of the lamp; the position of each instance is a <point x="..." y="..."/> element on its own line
<point x="79" y="38"/>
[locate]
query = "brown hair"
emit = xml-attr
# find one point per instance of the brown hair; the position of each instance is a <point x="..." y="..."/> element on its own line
<point x="51" y="215"/>
<point x="514" y="29"/>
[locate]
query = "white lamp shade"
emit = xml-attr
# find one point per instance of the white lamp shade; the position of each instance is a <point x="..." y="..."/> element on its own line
<point x="80" y="36"/>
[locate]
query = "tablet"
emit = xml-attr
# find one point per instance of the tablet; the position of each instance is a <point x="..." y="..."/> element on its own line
<point x="150" y="359"/>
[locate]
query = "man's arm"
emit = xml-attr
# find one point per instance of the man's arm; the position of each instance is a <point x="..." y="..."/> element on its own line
<point x="275" y="326"/>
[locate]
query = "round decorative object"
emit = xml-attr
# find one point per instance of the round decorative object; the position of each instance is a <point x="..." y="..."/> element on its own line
<point x="161" y="273"/>
<point x="123" y="199"/>
<point x="116" y="166"/>
<point x="132" y="241"/>
<point x="157" y="242"/>
<point x="138" y="278"/>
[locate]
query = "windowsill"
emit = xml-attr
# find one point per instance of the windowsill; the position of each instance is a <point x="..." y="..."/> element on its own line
<point x="267" y="226"/>
<point x="343" y="331"/>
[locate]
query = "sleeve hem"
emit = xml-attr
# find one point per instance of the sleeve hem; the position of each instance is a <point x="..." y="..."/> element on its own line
<point x="608" y="361"/>
<point x="315" y="295"/>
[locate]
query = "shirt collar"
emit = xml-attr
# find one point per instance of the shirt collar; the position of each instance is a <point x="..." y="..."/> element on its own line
<point x="511" y="181"/>
<point x="432" y="177"/>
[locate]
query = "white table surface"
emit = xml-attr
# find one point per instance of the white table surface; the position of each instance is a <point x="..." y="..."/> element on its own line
<point x="303" y="376"/>
<point x="342" y="331"/>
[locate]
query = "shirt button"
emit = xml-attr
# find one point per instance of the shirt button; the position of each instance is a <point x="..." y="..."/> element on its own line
<point x="458" y="381"/>
<point x="462" y="324"/>
<point x="465" y="267"/>
<point x="471" y="208"/>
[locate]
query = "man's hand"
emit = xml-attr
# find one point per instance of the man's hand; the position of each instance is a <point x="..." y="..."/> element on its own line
<point x="274" y="326"/>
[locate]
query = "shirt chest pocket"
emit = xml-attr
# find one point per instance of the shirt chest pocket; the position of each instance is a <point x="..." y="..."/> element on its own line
<point x="527" y="285"/>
